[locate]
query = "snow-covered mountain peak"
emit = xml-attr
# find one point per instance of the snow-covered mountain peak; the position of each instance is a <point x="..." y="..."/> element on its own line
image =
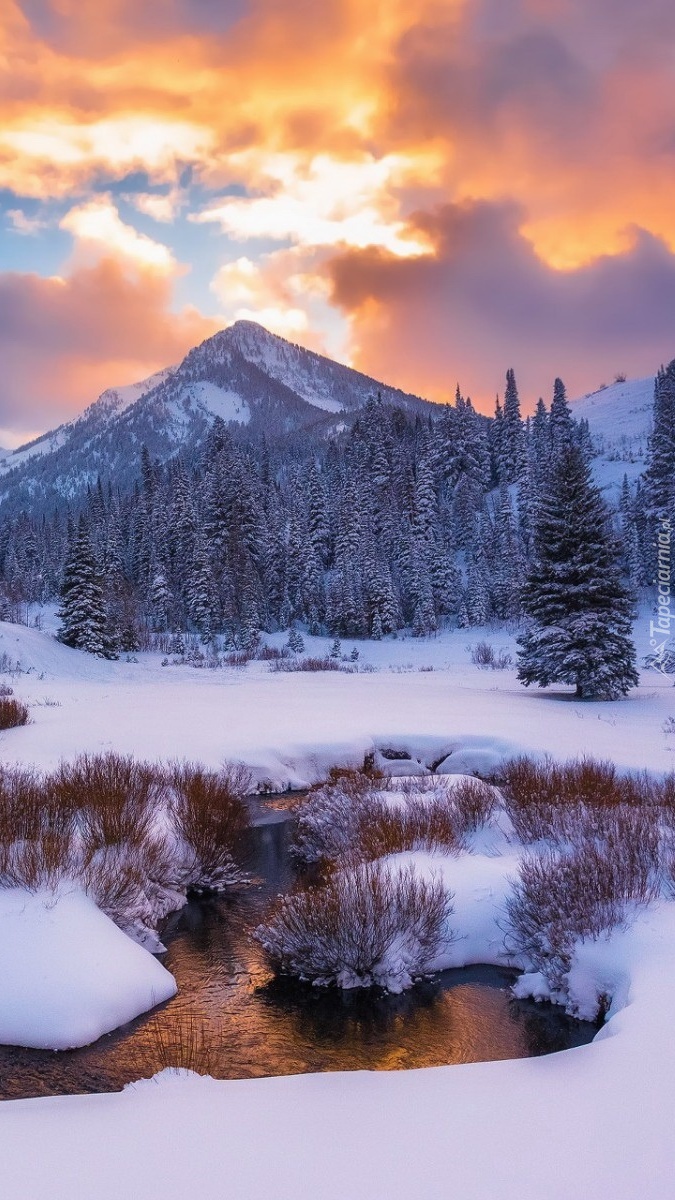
<point x="244" y="375"/>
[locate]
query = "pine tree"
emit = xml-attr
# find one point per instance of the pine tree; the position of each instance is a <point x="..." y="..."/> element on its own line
<point x="513" y="436"/>
<point x="658" y="484"/>
<point x="83" y="610"/>
<point x="560" y="423"/>
<point x="579" y="609"/>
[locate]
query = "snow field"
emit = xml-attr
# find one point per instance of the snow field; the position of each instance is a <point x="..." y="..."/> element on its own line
<point x="590" y="1122"/>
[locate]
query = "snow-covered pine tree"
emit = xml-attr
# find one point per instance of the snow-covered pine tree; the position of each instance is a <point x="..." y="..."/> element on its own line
<point x="658" y="481"/>
<point x="83" y="609"/>
<point x="578" y="608"/>
<point x="560" y="423"/>
<point x="513" y="437"/>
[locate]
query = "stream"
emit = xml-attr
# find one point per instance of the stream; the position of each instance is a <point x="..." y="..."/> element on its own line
<point x="233" y="1020"/>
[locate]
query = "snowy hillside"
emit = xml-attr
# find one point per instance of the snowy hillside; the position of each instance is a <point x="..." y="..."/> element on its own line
<point x="619" y="417"/>
<point x="244" y="375"/>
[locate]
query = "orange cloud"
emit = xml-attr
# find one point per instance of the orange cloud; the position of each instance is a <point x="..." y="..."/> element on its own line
<point x="346" y="125"/>
<point x="63" y="341"/>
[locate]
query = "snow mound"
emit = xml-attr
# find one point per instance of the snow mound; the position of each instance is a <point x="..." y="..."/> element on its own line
<point x="68" y="974"/>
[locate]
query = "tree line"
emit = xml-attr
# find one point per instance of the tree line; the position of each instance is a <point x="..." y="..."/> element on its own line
<point x="397" y="522"/>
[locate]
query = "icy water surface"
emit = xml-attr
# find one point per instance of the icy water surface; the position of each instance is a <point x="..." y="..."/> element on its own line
<point x="240" y="1023"/>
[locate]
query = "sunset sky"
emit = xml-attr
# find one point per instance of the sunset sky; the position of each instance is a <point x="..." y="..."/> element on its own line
<point x="430" y="190"/>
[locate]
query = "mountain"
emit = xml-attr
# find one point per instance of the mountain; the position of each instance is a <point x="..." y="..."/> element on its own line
<point x="620" y="418"/>
<point x="249" y="377"/>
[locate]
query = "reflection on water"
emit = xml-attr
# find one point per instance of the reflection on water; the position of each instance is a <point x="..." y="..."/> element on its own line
<point x="249" y="1024"/>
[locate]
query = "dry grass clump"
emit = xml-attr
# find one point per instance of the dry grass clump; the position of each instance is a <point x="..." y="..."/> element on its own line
<point x="210" y="816"/>
<point x="12" y="713"/>
<point x="179" y="1039"/>
<point x="366" y="926"/>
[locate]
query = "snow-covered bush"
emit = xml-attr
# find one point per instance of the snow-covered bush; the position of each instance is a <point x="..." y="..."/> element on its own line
<point x="565" y="802"/>
<point x="369" y="925"/>
<point x="210" y="816"/>
<point x="328" y="822"/>
<point x="473" y="802"/>
<point x="482" y="654"/>
<point x="561" y="896"/>
<point x="355" y="817"/>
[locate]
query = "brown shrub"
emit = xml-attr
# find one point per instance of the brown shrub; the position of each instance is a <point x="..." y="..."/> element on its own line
<point x="474" y="802"/>
<point x="39" y="863"/>
<point x="560" y="897"/>
<point x="12" y="713"/>
<point x="210" y="815"/>
<point x="115" y="797"/>
<point x="310" y="663"/>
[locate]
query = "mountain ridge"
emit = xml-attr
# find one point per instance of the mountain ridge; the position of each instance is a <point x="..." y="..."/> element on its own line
<point x="250" y="378"/>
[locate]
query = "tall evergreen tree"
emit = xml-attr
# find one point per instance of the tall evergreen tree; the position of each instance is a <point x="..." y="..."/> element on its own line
<point x="83" y="616"/>
<point x="658" y="484"/>
<point x="513" y="437"/>
<point x="579" y="610"/>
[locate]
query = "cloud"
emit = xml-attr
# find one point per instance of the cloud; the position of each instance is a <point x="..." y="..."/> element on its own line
<point x="322" y="203"/>
<point x="99" y="233"/>
<point x="21" y="223"/>
<point x="546" y="127"/>
<point x="64" y="340"/>
<point x="485" y="302"/>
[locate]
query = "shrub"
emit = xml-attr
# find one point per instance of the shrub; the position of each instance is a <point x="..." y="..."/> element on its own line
<point x="566" y="802"/>
<point x="502" y="661"/>
<point x="328" y="821"/>
<point x="272" y="653"/>
<point x="309" y="663"/>
<point x="418" y="824"/>
<point x="115" y="798"/>
<point x="482" y="654"/>
<point x="473" y="802"/>
<point x="210" y="815"/>
<point x="367" y="926"/>
<point x="562" y="896"/>
<point x="12" y="713"/>
<point x="41" y="862"/>
<point x="235" y="658"/>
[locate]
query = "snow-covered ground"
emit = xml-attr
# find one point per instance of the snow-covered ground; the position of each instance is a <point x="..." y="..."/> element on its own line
<point x="68" y="974"/>
<point x="590" y="1122"/>
<point x="289" y="728"/>
<point x="620" y="421"/>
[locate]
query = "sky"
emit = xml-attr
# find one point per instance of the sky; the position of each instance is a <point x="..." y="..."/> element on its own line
<point x="430" y="190"/>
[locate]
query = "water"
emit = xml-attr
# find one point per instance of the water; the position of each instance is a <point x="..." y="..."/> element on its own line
<point x="235" y="1021"/>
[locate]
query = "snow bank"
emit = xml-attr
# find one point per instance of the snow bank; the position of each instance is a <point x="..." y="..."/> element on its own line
<point x="590" y="1122"/>
<point x="67" y="974"/>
